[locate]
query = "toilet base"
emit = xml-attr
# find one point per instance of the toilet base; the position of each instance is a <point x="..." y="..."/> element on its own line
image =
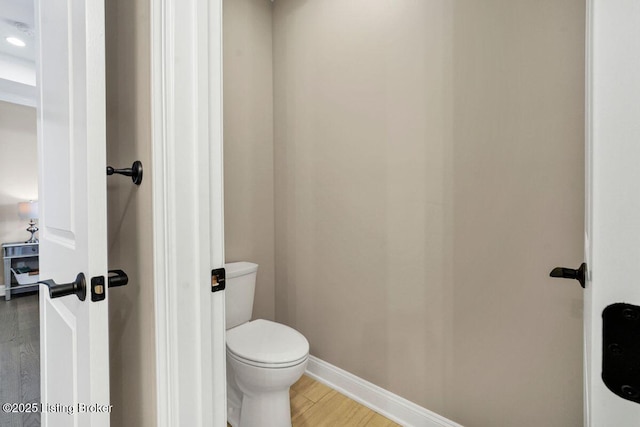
<point x="259" y="397"/>
<point x="234" y="401"/>
<point x="266" y="410"/>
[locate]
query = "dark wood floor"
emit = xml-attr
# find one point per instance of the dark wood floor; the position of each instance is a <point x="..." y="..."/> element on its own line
<point x="19" y="357"/>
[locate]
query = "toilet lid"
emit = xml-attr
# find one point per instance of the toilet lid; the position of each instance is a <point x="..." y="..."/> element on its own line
<point x="266" y="342"/>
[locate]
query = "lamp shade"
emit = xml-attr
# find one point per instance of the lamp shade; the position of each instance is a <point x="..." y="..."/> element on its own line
<point x="28" y="210"/>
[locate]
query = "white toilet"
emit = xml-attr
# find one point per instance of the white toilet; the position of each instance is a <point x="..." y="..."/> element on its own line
<point x="264" y="358"/>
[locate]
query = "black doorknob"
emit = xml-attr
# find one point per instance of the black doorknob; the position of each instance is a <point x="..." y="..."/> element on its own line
<point x="569" y="273"/>
<point x="77" y="287"/>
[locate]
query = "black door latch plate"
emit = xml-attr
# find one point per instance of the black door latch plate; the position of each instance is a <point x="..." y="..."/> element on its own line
<point x="218" y="279"/>
<point x="621" y="350"/>
<point x="98" y="289"/>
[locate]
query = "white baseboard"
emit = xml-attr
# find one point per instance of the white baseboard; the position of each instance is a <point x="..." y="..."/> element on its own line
<point x="384" y="402"/>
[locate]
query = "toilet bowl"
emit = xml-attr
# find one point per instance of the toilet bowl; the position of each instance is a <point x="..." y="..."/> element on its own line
<point x="264" y="358"/>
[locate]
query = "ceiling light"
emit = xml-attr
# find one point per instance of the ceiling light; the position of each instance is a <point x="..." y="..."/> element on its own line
<point x="16" y="41"/>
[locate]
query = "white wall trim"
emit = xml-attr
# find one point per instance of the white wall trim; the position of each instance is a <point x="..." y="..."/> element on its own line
<point x="162" y="124"/>
<point x="187" y="198"/>
<point x="588" y="189"/>
<point x="215" y="168"/>
<point x="392" y="406"/>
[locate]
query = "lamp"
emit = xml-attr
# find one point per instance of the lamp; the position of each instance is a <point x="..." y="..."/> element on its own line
<point x="29" y="210"/>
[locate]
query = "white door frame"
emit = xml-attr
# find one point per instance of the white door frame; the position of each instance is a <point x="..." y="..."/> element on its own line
<point x="612" y="238"/>
<point x="186" y="78"/>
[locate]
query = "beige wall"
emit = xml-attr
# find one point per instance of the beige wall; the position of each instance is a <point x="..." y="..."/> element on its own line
<point x="518" y="160"/>
<point x="131" y="308"/>
<point x="360" y="91"/>
<point x="517" y="211"/>
<point x="18" y="170"/>
<point x="428" y="175"/>
<point x="362" y="96"/>
<point x="248" y="144"/>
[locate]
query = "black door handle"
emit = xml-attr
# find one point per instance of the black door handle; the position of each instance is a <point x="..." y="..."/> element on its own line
<point x="117" y="278"/>
<point x="77" y="287"/>
<point x="135" y="172"/>
<point x="569" y="273"/>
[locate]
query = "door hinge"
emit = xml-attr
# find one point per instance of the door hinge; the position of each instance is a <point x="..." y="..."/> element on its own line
<point x="217" y="279"/>
<point x="621" y="350"/>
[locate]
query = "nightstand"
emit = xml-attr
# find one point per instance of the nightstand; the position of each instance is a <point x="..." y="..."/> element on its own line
<point x="18" y="256"/>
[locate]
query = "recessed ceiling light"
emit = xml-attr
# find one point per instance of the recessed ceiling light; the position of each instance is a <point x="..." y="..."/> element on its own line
<point x="16" y="41"/>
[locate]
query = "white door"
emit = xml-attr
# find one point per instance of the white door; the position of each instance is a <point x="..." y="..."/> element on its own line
<point x="613" y="204"/>
<point x="73" y="235"/>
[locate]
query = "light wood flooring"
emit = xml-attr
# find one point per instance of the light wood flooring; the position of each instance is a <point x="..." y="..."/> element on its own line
<point x="19" y="357"/>
<point x="313" y="404"/>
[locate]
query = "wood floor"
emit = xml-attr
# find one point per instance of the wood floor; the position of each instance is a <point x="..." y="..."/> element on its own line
<point x="313" y="404"/>
<point x="19" y="357"/>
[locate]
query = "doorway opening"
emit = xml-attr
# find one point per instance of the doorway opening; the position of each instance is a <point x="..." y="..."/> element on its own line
<point x="19" y="271"/>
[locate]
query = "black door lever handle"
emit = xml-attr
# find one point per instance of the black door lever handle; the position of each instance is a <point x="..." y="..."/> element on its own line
<point x="77" y="287"/>
<point x="135" y="172"/>
<point x="117" y="278"/>
<point x="569" y="273"/>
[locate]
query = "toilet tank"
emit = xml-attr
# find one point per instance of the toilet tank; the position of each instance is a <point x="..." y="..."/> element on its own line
<point x="239" y="290"/>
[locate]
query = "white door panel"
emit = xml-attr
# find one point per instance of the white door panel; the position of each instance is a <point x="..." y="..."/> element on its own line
<point x="73" y="238"/>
